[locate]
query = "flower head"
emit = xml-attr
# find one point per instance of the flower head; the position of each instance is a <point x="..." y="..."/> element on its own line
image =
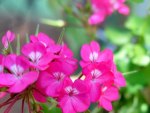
<point x="38" y="55"/>
<point x="19" y="77"/>
<point x="103" y="8"/>
<point x="74" y="97"/>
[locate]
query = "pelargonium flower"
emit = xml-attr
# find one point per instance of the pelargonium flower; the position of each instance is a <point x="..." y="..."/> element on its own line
<point x="19" y="76"/>
<point x="96" y="75"/>
<point x="103" y="8"/>
<point x="90" y="53"/>
<point x="74" y="97"/>
<point x="8" y="38"/>
<point x="107" y="95"/>
<point x="52" y="80"/>
<point x="38" y="55"/>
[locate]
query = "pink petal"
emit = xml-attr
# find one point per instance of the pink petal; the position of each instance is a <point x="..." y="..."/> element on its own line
<point x="120" y="80"/>
<point x="54" y="88"/>
<point x="66" y="105"/>
<point x="97" y="18"/>
<point x="106" y="56"/>
<point x="95" y="46"/>
<point x="30" y="77"/>
<point x="111" y="93"/>
<point x="47" y="58"/>
<point x="85" y="52"/>
<point x="18" y="86"/>
<point x="38" y="96"/>
<point x="81" y="102"/>
<point x="7" y="79"/>
<point x="80" y="86"/>
<point x="94" y="92"/>
<point x="124" y="10"/>
<point x="42" y="37"/>
<point x="106" y="104"/>
<point x="23" y="82"/>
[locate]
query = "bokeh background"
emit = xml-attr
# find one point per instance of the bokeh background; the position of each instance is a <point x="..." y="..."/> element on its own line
<point x="128" y="37"/>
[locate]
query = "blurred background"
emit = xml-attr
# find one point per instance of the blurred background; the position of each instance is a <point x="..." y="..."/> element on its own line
<point x="128" y="37"/>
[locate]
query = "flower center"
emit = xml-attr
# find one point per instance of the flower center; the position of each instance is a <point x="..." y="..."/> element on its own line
<point x="95" y="73"/>
<point x="35" y="56"/>
<point x="71" y="91"/>
<point x="59" y="75"/>
<point x="17" y="70"/>
<point x="93" y="56"/>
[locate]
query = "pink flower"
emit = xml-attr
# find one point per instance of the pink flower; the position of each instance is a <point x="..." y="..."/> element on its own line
<point x="74" y="97"/>
<point x="38" y="55"/>
<point x="97" y="75"/>
<point x="1" y="63"/>
<point x="52" y="80"/>
<point x="103" y="8"/>
<point x="19" y="78"/>
<point x="91" y="54"/>
<point x="8" y="38"/>
<point x="108" y="94"/>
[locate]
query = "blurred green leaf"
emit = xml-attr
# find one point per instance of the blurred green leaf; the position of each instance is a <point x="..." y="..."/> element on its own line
<point x="134" y="23"/>
<point x="118" y="36"/>
<point x="142" y="77"/>
<point x="47" y="109"/>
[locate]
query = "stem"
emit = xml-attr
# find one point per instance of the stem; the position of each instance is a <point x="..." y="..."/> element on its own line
<point x="22" y="109"/>
<point x="29" y="105"/>
<point x="18" y="45"/>
<point x="10" y="106"/>
<point x="8" y="101"/>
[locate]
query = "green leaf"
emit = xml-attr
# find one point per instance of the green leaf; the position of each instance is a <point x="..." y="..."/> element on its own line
<point x="142" y="77"/>
<point x="135" y="23"/>
<point x="47" y="109"/>
<point x="118" y="36"/>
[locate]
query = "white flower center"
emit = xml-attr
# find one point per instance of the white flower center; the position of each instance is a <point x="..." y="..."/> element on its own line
<point x="71" y="91"/>
<point x="17" y="69"/>
<point x="35" y="56"/>
<point x="93" y="56"/>
<point x="96" y="73"/>
<point x="59" y="75"/>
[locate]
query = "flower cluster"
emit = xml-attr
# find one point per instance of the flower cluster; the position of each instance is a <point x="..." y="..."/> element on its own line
<point x="44" y="70"/>
<point x="103" y="8"/>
